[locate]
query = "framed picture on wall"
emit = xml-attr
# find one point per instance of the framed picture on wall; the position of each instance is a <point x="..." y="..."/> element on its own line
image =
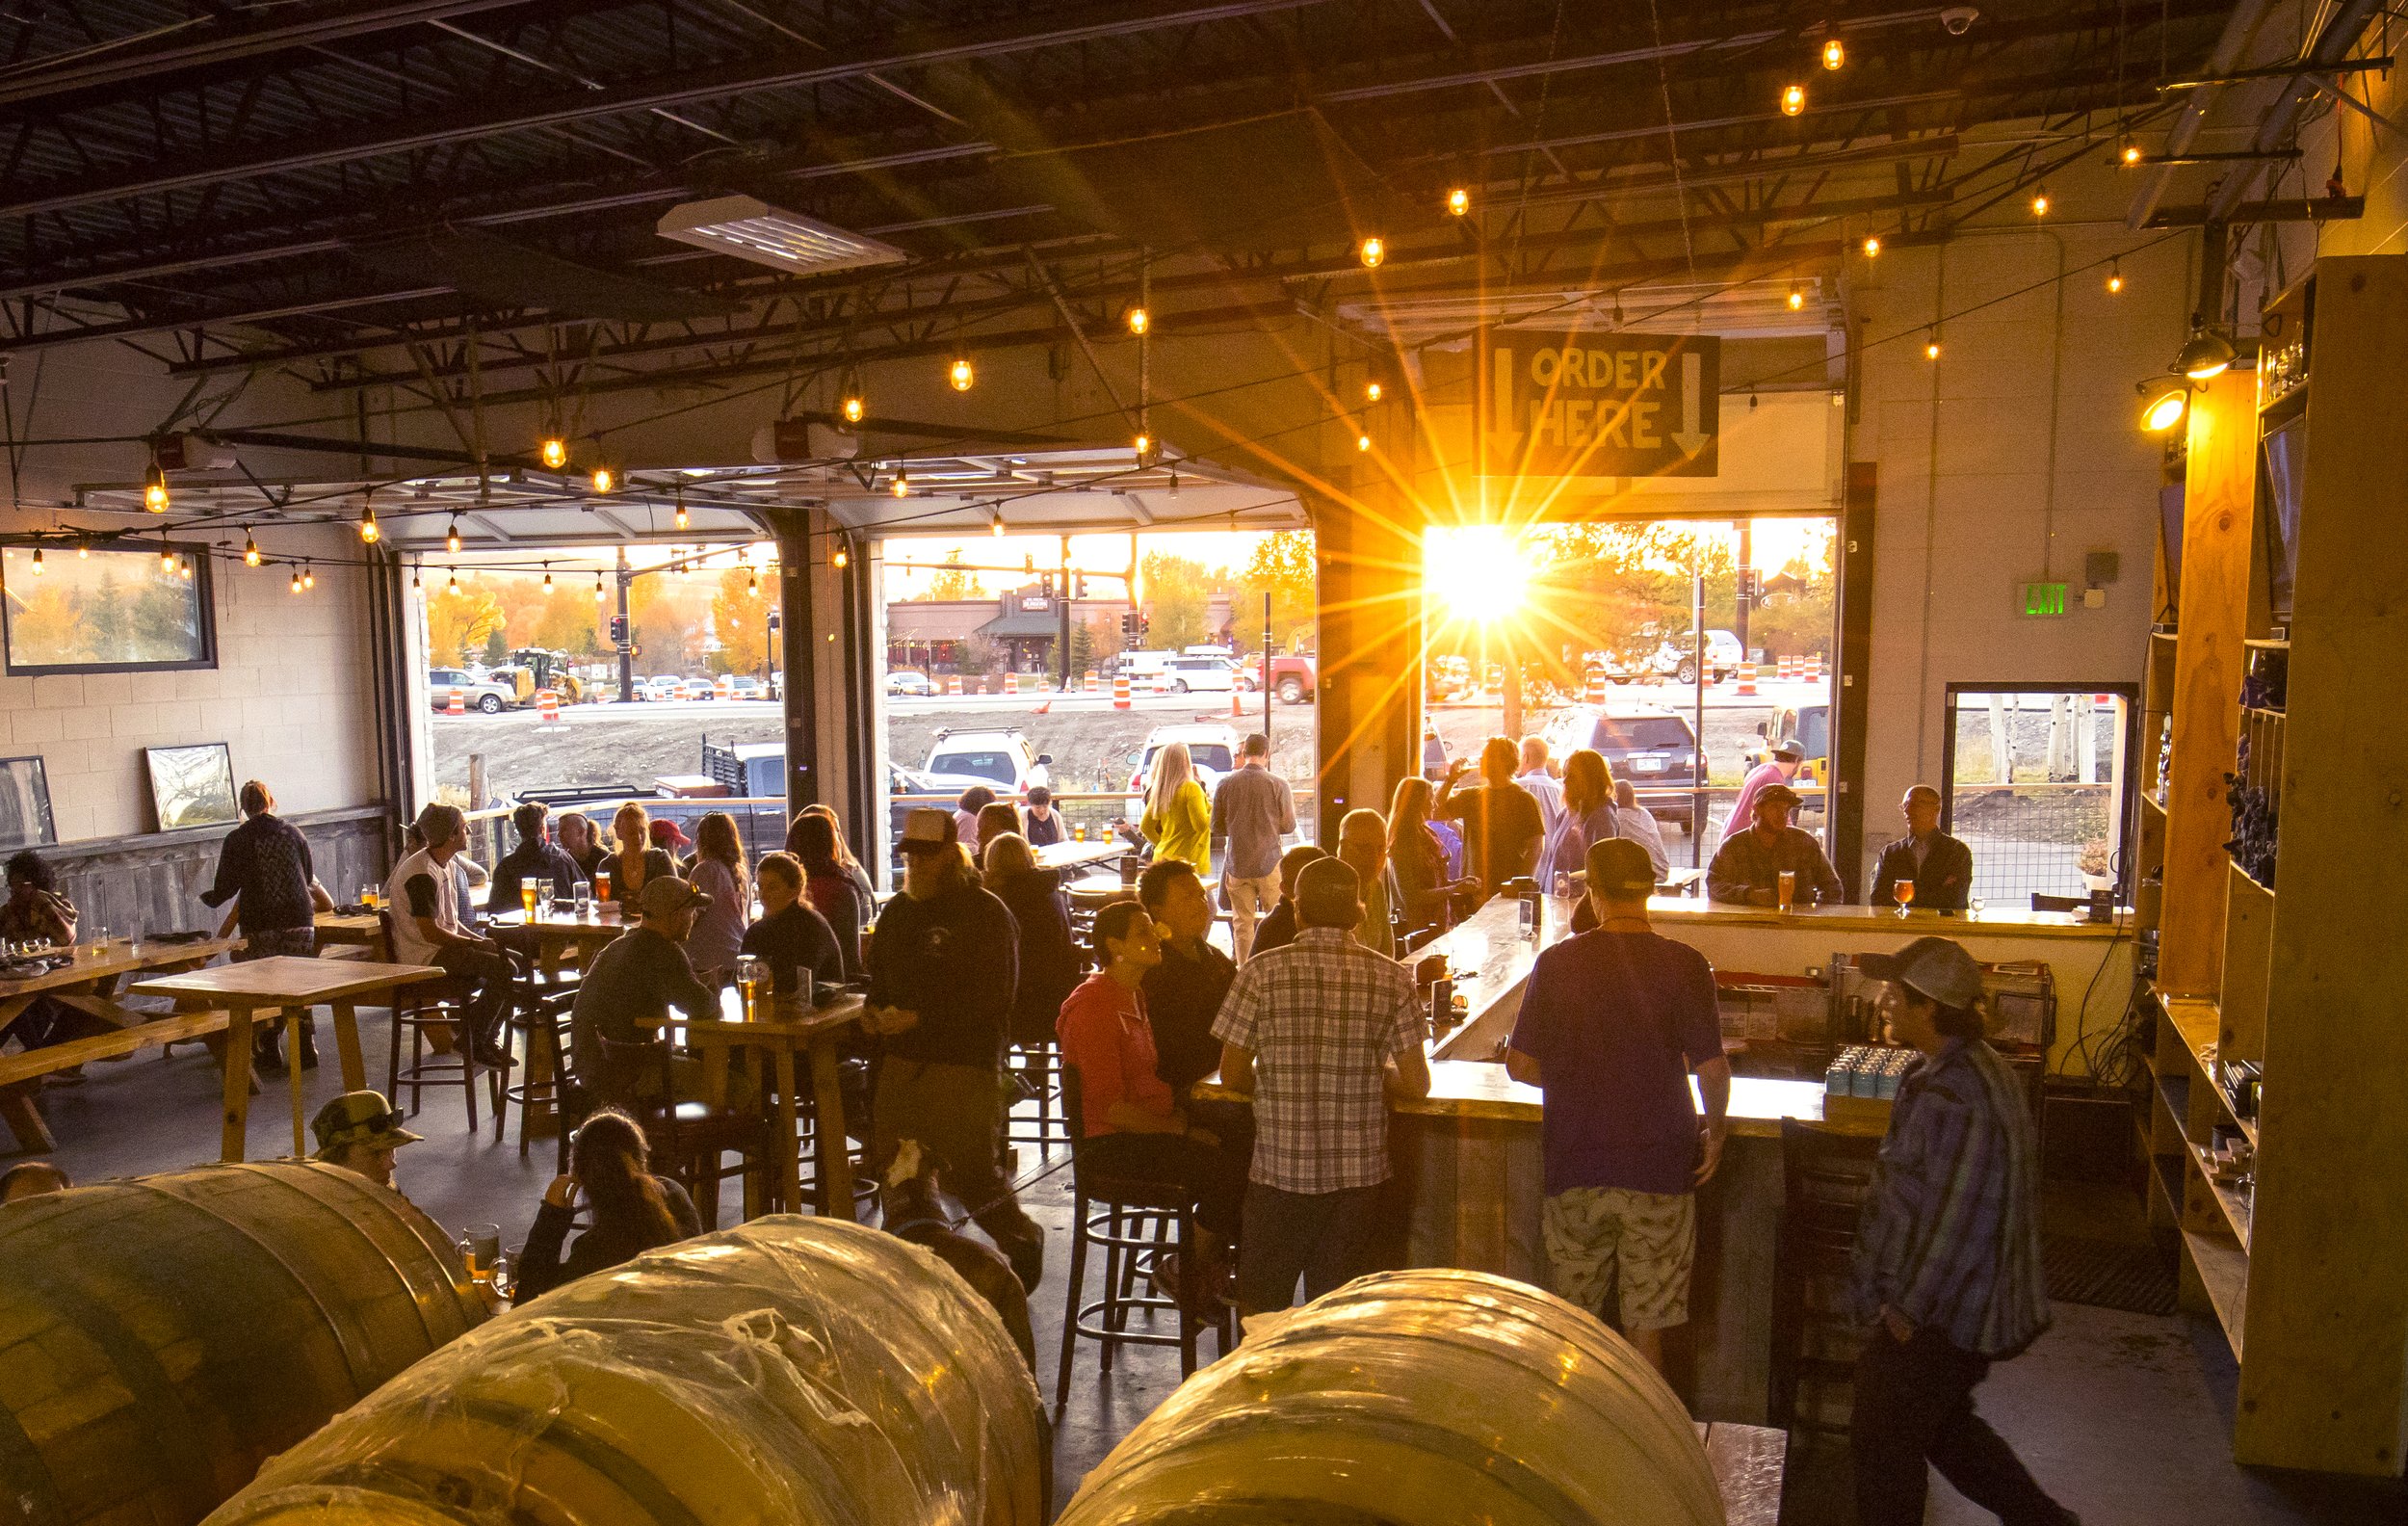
<point x="24" y="805"/>
<point x="192" y="786"/>
<point x="106" y="609"/>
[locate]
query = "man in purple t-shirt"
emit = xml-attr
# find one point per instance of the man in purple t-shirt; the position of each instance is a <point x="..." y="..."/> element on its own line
<point x="1612" y="1023"/>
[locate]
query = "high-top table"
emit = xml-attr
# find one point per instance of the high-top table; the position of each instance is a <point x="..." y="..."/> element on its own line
<point x="778" y="1031"/>
<point x="289" y="986"/>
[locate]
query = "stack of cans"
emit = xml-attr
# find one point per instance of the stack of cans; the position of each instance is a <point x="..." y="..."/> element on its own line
<point x="1866" y="1070"/>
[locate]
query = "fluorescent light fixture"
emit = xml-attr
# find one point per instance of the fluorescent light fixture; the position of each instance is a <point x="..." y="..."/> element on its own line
<point x="749" y="228"/>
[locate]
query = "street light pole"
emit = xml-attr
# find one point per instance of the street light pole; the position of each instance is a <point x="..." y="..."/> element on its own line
<point x="626" y="641"/>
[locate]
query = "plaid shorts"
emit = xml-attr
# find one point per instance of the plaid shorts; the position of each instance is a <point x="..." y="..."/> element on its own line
<point x="1650" y="1239"/>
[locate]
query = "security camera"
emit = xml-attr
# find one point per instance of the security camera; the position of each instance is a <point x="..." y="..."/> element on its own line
<point x="1959" y="19"/>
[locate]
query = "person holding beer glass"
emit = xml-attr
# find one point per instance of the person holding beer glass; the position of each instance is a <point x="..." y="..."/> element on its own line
<point x="1752" y="863"/>
<point x="1927" y="867"/>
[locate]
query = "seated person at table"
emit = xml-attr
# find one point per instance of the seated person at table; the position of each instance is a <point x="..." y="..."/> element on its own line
<point x="1309" y="1032"/>
<point x="974" y="800"/>
<point x="1280" y="929"/>
<point x="37" y="913"/>
<point x="32" y="1179"/>
<point x="1043" y="827"/>
<point x="1940" y="866"/>
<point x="634" y="862"/>
<point x="794" y="941"/>
<point x="1612" y="1023"/>
<point x="829" y="887"/>
<point x="359" y="1131"/>
<point x="1183" y="995"/>
<point x="632" y="983"/>
<point x="537" y="858"/>
<point x="995" y="819"/>
<point x="581" y="842"/>
<point x="846" y="863"/>
<point x="1746" y="868"/>
<point x="430" y="926"/>
<point x="1131" y="1123"/>
<point x="1040" y="912"/>
<point x="631" y="1210"/>
<point x="1502" y="827"/>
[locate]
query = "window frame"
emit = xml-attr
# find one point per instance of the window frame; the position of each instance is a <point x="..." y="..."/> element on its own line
<point x="204" y="597"/>
<point x="2118" y="862"/>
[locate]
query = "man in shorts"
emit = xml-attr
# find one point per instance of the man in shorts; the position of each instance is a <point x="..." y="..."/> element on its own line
<point x="1613" y="1025"/>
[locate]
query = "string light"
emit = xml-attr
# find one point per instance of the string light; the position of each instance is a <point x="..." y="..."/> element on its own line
<point x="604" y="478"/>
<point x="1931" y="344"/>
<point x="451" y="539"/>
<point x="452" y="584"/>
<point x="599" y="592"/>
<point x="681" y="507"/>
<point x="1834" y="54"/>
<point x="1797" y="297"/>
<point x="83" y="550"/>
<point x="854" y="408"/>
<point x="2040" y="203"/>
<point x="1362" y="442"/>
<point x="310" y="577"/>
<point x="2115" y="277"/>
<point x="1138" y="318"/>
<point x="183" y="568"/>
<point x="1144" y="444"/>
<point x="155" y="487"/>
<point x="838" y="556"/>
<point x="416" y="585"/>
<point x="37" y="561"/>
<point x="167" y="558"/>
<point x="961" y="374"/>
<point x="1374" y="250"/>
<point x="1792" y="99"/>
<point x="296" y="580"/>
<point x="547" y="577"/>
<point x="752" y="582"/>
<point x="554" y="452"/>
<point x="2131" y="153"/>
<point x="1371" y="391"/>
<point x="1873" y="245"/>
<point x="902" y="482"/>
<point x="1458" y="201"/>
<point x="995" y="526"/>
<point x="250" y="548"/>
<point x="370" y="532"/>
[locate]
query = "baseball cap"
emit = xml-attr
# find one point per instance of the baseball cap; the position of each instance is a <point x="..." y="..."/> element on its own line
<point x="358" y="1118"/>
<point x="926" y="829"/>
<point x="1619" y="868"/>
<point x="668" y="835"/>
<point x="1328" y="893"/>
<point x="1788" y="746"/>
<point x="1937" y="967"/>
<point x="667" y="896"/>
<point x="1780" y="794"/>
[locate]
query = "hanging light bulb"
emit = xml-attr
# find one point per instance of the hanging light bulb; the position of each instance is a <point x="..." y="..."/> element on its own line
<point x="417" y="585"/>
<point x="1374" y="250"/>
<point x="37" y="561"/>
<point x="370" y="532"/>
<point x="2115" y="277"/>
<point x="183" y="568"/>
<point x="155" y="487"/>
<point x="752" y="582"/>
<point x="902" y="482"/>
<point x="250" y="548"/>
<point x="1931" y="344"/>
<point x="599" y="592"/>
<point x="1174" y="482"/>
<point x="296" y="580"/>
<point x="554" y="452"/>
<point x="547" y="577"/>
<point x="2040" y="203"/>
<point x="1458" y="201"/>
<point x="1873" y="245"/>
<point x="1138" y="319"/>
<point x="604" y="478"/>
<point x="681" y="507"/>
<point x="1797" y="297"/>
<point x="310" y="577"/>
<point x="961" y="374"/>
<point x="1143" y="444"/>
<point x="451" y="539"/>
<point x="1362" y="442"/>
<point x="83" y="550"/>
<point x="853" y="408"/>
<point x="995" y="526"/>
<point x="1792" y="99"/>
<point x="1371" y="391"/>
<point x="167" y="558"/>
<point x="452" y="584"/>
<point x="838" y="556"/>
<point x="2131" y="153"/>
<point x="1834" y="54"/>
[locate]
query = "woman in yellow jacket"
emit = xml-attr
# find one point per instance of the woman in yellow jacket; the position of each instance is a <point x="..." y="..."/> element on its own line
<point x="1178" y="819"/>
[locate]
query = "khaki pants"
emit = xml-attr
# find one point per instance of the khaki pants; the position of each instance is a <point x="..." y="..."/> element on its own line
<point x="1249" y="902"/>
<point x="956" y="1111"/>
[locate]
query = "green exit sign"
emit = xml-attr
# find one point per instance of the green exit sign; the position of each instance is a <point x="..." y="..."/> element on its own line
<point x="2044" y="599"/>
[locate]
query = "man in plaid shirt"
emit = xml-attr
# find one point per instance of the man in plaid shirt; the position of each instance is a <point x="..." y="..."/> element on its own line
<point x="1309" y="1029"/>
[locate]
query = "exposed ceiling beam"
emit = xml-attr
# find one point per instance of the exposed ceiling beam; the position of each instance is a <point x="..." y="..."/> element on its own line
<point x="136" y="327"/>
<point x="2322" y="209"/>
<point x="1094" y="23"/>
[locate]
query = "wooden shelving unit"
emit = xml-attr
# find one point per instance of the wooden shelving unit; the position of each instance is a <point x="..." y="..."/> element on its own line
<point x="2301" y="1270"/>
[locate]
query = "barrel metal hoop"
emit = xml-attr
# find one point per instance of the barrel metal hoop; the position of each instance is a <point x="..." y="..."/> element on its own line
<point x="38" y="1501"/>
<point x="470" y="1315"/>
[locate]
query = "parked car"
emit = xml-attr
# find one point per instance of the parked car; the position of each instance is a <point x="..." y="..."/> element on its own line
<point x="485" y="694"/>
<point x="1192" y="674"/>
<point x="1654" y="747"/>
<point x="698" y="688"/>
<point x="1675" y="657"/>
<point x="999" y="757"/>
<point x="1212" y="749"/>
<point x="660" y="689"/>
<point x="1292" y="676"/>
<point x="1147" y="672"/>
<point x="744" y="686"/>
<point x="904" y="681"/>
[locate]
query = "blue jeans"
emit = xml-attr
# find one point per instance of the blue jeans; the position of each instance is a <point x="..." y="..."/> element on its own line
<point x="1321" y="1237"/>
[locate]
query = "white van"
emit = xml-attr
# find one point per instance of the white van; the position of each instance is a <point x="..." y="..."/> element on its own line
<point x="1188" y="674"/>
<point x="1147" y="672"/>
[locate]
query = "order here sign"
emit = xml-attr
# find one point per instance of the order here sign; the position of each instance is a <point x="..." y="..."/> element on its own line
<point x="1602" y="405"/>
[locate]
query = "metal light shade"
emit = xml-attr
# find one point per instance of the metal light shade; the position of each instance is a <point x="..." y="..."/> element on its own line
<point x="2205" y="355"/>
<point x="2165" y="411"/>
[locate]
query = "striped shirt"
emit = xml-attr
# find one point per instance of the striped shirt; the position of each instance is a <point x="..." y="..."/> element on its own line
<point x="1950" y="1237"/>
<point x="1323" y="1016"/>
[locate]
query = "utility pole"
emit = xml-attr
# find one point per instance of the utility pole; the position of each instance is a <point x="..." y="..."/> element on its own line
<point x="1746" y="596"/>
<point x="1269" y="688"/>
<point x="1698" y="753"/>
<point x="1061" y="603"/>
<point x="627" y="638"/>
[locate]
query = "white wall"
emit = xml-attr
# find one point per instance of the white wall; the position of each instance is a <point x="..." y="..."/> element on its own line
<point x="290" y="693"/>
<point x="2009" y="459"/>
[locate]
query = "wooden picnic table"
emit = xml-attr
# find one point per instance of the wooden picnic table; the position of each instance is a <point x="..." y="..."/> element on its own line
<point x="785" y="1026"/>
<point x="87" y="983"/>
<point x="349" y="930"/>
<point x="288" y="987"/>
<point x="1073" y="855"/>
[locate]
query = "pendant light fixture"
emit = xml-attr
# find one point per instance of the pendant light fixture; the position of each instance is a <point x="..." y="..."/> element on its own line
<point x="250" y="548"/>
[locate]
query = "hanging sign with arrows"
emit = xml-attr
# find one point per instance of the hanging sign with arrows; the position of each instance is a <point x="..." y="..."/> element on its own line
<point x="1600" y="405"/>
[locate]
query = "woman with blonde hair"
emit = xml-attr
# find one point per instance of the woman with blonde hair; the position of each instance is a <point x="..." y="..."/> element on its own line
<point x="1590" y="816"/>
<point x="1178" y="819"/>
<point x="634" y="861"/>
<point x="719" y="872"/>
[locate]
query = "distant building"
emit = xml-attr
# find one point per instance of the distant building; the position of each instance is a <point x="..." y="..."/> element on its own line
<point x="929" y="634"/>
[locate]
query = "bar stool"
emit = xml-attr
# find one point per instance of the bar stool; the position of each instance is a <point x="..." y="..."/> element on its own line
<point x="1826" y="1175"/>
<point x="1040" y="1067"/>
<point x="538" y="1026"/>
<point x="433" y="1012"/>
<point x="1136" y="1222"/>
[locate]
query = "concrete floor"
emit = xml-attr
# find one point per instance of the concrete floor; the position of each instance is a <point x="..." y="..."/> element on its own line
<point x="2126" y="1418"/>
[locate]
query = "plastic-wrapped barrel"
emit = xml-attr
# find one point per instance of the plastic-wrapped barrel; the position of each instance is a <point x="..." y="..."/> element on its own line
<point x="161" y="1338"/>
<point x="794" y="1370"/>
<point x="1414" y="1399"/>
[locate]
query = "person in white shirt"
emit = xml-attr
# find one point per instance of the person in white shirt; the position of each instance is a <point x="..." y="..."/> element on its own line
<point x="1542" y="784"/>
<point x="428" y="929"/>
<point x="1639" y="824"/>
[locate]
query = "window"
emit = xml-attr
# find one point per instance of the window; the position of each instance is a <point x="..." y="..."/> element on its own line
<point x="1641" y="733"/>
<point x="2035" y="780"/>
<point x="1210" y="755"/>
<point x="105" y="610"/>
<point x="996" y="766"/>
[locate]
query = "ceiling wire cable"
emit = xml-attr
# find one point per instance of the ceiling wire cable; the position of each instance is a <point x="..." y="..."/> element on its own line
<point x="1672" y="141"/>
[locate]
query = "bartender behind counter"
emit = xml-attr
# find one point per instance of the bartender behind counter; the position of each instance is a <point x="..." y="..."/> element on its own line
<point x="1941" y="866"/>
<point x="1747" y="867"/>
<point x="1503" y="825"/>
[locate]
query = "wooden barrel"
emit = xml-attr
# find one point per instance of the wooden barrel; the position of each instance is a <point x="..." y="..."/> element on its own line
<point x="161" y="1338"/>
<point x="1409" y="1397"/>
<point x="795" y="1370"/>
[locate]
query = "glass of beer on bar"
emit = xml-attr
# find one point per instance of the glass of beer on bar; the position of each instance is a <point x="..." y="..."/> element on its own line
<point x="527" y="898"/>
<point x="602" y="882"/>
<point x="1902" y="891"/>
<point x="752" y="977"/>
<point x="1786" y="896"/>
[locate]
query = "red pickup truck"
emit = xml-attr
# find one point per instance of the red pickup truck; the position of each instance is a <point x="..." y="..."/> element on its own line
<point x="1291" y="676"/>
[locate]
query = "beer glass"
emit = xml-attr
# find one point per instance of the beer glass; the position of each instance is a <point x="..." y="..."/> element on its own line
<point x="527" y="898"/>
<point x="752" y="979"/>
<point x="480" y="1246"/>
<point x="1786" y="896"/>
<point x="1902" y="891"/>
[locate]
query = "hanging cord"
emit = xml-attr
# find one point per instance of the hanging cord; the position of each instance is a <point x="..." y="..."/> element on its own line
<point x="1672" y="141"/>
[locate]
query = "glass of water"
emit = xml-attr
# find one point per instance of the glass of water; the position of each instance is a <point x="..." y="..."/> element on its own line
<point x="1973" y="906"/>
<point x="585" y="899"/>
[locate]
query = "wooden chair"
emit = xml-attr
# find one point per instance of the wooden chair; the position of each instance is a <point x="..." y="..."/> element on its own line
<point x="1136" y="1222"/>
<point x="434" y="1014"/>
<point x="1826" y="1177"/>
<point x="690" y="1140"/>
<point x="537" y="1027"/>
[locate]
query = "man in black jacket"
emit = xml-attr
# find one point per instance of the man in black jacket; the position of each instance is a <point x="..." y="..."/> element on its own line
<point x="944" y="967"/>
<point x="264" y="868"/>
<point x="536" y="858"/>
<point x="1941" y="866"/>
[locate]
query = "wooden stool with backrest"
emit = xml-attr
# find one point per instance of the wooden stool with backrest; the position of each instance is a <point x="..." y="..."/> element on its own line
<point x="690" y="1140"/>
<point x="434" y="1014"/>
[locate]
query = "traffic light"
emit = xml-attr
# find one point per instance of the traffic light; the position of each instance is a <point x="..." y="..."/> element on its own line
<point x="773" y="623"/>
<point x="618" y="630"/>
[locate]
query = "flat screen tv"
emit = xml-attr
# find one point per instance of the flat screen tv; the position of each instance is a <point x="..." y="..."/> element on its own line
<point x="2282" y="471"/>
